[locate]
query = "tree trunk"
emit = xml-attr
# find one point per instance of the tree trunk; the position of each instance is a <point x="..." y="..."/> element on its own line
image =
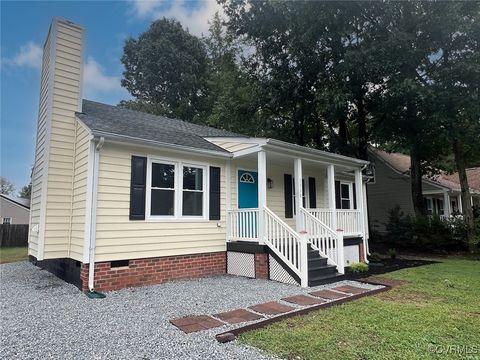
<point x="466" y="202"/>
<point x="362" y="127"/>
<point x="416" y="183"/>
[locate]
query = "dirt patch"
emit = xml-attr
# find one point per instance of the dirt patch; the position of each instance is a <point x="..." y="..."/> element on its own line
<point x="408" y="298"/>
<point x="385" y="281"/>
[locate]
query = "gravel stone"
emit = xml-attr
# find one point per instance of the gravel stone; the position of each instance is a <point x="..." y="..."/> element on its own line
<point x="43" y="317"/>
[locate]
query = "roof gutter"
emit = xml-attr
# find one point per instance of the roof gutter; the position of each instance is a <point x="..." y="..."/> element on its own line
<point x="121" y="139"/>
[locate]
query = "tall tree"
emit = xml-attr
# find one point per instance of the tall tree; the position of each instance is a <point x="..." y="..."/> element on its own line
<point x="455" y="77"/>
<point x="231" y="93"/>
<point x="165" y="71"/>
<point x="26" y="191"/>
<point x="6" y="186"/>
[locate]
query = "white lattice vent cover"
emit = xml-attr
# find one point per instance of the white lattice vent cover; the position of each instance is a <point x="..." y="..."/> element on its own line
<point x="278" y="273"/>
<point x="241" y="264"/>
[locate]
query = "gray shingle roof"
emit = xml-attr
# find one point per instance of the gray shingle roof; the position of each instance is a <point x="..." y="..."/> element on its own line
<point x="18" y="200"/>
<point x="119" y="121"/>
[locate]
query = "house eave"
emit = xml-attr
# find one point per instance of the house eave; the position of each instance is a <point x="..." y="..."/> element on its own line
<point x="122" y="139"/>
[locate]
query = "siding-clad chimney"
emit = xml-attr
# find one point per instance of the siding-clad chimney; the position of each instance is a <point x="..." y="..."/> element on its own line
<point x="53" y="172"/>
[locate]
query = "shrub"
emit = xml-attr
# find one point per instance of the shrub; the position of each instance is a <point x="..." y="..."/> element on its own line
<point x="374" y="258"/>
<point x="392" y="253"/>
<point x="426" y="233"/>
<point x="399" y="227"/>
<point x="359" y="267"/>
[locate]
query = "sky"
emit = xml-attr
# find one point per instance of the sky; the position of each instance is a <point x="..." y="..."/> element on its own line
<point x="24" y="26"/>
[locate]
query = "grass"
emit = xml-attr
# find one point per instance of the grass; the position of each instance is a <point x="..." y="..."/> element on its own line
<point x="436" y="307"/>
<point x="13" y="254"/>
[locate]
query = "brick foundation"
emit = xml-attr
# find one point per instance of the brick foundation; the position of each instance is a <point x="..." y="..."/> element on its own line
<point x="140" y="272"/>
<point x="261" y="266"/>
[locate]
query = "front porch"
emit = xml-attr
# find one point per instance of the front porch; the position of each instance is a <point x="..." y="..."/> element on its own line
<point x="301" y="206"/>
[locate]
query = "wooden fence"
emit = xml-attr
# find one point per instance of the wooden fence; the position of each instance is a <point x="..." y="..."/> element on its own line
<point x="13" y="235"/>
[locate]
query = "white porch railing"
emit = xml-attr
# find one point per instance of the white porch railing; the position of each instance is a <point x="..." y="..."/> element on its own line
<point x="287" y="244"/>
<point x="242" y="224"/>
<point x="325" y="240"/>
<point x="350" y="221"/>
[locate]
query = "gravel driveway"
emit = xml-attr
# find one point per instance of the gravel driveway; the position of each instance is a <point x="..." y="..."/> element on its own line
<point x="42" y="317"/>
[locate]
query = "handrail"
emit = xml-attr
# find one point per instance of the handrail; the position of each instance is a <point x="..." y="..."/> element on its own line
<point x="328" y="242"/>
<point x="285" y="242"/>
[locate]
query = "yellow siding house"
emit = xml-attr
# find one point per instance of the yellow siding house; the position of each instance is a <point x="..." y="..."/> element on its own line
<point x="122" y="198"/>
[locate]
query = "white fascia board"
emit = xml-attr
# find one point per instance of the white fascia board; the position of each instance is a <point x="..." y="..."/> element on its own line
<point x="124" y="140"/>
<point x="314" y="154"/>
<point x="245" y="152"/>
<point x="232" y="139"/>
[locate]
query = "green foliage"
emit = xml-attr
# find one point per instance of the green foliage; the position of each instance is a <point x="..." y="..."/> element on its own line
<point x="374" y="257"/>
<point x="426" y="233"/>
<point x="26" y="191"/>
<point x="399" y="227"/>
<point x="165" y="69"/>
<point x="359" y="267"/>
<point x="392" y="253"/>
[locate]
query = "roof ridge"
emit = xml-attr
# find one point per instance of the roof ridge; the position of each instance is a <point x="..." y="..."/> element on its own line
<point x="152" y="116"/>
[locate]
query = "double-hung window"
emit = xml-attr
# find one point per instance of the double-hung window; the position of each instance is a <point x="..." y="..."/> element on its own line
<point x="175" y="190"/>
<point x="345" y="195"/>
<point x="162" y="198"/>
<point x="192" y="191"/>
<point x="7" y="220"/>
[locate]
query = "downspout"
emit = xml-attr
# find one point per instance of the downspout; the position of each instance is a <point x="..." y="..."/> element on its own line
<point x="366" y="247"/>
<point x="93" y="214"/>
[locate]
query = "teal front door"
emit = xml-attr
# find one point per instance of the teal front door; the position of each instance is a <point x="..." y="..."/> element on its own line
<point x="247" y="199"/>
<point x="247" y="189"/>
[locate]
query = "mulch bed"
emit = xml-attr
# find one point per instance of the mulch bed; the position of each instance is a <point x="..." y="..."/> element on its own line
<point x="386" y="266"/>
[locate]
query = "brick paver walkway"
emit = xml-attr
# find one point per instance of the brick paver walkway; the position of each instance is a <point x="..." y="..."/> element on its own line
<point x="194" y="323"/>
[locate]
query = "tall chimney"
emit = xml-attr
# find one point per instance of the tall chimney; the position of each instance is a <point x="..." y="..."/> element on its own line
<point x="53" y="171"/>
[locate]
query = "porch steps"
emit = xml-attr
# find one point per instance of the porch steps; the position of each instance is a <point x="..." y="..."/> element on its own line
<point x="319" y="272"/>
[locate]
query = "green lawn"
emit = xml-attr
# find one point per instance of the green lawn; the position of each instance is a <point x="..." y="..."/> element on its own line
<point x="13" y="254"/>
<point x="438" y="306"/>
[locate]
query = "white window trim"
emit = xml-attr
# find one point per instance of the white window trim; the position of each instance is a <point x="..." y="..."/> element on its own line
<point x="178" y="191"/>
<point x="9" y="221"/>
<point x="350" y="194"/>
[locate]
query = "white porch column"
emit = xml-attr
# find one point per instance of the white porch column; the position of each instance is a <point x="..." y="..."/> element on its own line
<point x="297" y="169"/>
<point x="359" y="199"/>
<point x="331" y="195"/>
<point x="228" y="197"/>
<point x="460" y="205"/>
<point x="446" y="204"/>
<point x="262" y="193"/>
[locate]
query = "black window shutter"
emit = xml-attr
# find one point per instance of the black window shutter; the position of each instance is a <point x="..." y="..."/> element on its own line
<point x="287" y="191"/>
<point x="354" y="196"/>
<point x="138" y="181"/>
<point x="338" y="200"/>
<point x="312" y="193"/>
<point x="214" y="193"/>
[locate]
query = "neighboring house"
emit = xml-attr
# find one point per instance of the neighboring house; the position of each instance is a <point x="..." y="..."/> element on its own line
<point x="14" y="210"/>
<point x="392" y="187"/>
<point x="123" y="198"/>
